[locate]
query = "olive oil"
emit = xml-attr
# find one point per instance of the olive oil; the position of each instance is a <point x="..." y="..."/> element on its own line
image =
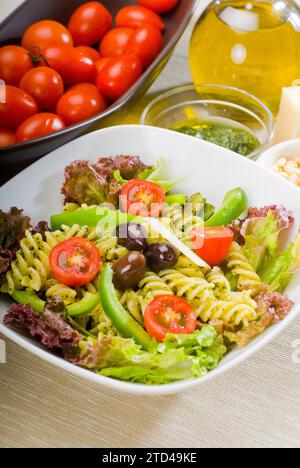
<point x="254" y="46"/>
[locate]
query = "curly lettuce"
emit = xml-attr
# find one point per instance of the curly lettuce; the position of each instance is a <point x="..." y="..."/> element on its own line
<point x="179" y="357"/>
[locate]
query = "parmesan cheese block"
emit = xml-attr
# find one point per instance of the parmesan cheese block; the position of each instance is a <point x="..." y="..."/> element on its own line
<point x="288" y="120"/>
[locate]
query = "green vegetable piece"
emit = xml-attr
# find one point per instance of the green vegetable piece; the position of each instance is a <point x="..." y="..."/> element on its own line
<point x="176" y="199"/>
<point x="92" y="217"/>
<point x="122" y="321"/>
<point x="83" y="307"/>
<point x="31" y="299"/>
<point x="234" y="204"/>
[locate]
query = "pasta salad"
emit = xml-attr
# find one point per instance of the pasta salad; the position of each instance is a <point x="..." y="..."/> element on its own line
<point x="139" y="283"/>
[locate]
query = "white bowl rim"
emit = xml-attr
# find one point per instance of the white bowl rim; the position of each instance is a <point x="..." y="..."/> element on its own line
<point x="269" y="157"/>
<point x="141" y="389"/>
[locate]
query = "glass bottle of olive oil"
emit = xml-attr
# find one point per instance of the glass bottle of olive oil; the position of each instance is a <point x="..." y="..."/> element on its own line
<point x="252" y="45"/>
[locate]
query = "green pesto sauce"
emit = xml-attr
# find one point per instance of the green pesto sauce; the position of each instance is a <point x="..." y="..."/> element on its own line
<point x="233" y="138"/>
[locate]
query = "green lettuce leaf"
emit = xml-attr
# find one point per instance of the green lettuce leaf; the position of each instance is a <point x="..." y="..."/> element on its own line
<point x="179" y="357"/>
<point x="278" y="271"/>
<point x="261" y="238"/>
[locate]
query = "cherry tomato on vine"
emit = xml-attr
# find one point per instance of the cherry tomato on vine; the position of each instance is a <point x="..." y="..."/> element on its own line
<point x="90" y="52"/>
<point x="7" y="137"/>
<point x="39" y="125"/>
<point x="159" y="6"/>
<point x="146" y="43"/>
<point x="45" y="85"/>
<point x="136" y="16"/>
<point x="89" y="23"/>
<point x="169" y="314"/>
<point x="14" y="63"/>
<point x="142" y="198"/>
<point x="212" y="244"/>
<point x="71" y="64"/>
<point x="118" y="75"/>
<point x="19" y="106"/>
<point x="46" y="33"/>
<point x="80" y="103"/>
<point x="75" y="262"/>
<point x="115" y="41"/>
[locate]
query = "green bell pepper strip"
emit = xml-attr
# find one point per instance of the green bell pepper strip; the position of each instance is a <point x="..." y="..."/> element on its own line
<point x="122" y="320"/>
<point x="234" y="204"/>
<point x="83" y="307"/>
<point x="93" y="217"/>
<point x="176" y="199"/>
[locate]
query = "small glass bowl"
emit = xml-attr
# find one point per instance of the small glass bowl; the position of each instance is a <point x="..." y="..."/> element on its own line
<point x="222" y="104"/>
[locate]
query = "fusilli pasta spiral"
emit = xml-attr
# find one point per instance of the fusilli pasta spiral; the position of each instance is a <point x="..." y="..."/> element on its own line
<point x="240" y="267"/>
<point x="184" y="286"/>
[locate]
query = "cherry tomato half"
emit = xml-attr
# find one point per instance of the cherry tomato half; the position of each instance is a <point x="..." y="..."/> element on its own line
<point x="45" y="85"/>
<point x="14" y="63"/>
<point x="169" y="314"/>
<point x="212" y="244"/>
<point x="75" y="262"/>
<point x="90" y="52"/>
<point x="118" y="75"/>
<point x="143" y="198"/>
<point x="80" y="103"/>
<point x="71" y="64"/>
<point x="159" y="6"/>
<point x="19" y="106"/>
<point x="7" y="137"/>
<point x="46" y="33"/>
<point x="39" y="125"/>
<point x="89" y="23"/>
<point x="136" y="16"/>
<point x="115" y="41"/>
<point x="146" y="43"/>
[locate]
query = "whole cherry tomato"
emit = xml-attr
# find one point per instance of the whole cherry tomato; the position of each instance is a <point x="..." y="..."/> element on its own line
<point x="136" y="16"/>
<point x="115" y="41"/>
<point x="45" y="85"/>
<point x="14" y="63"/>
<point x="7" y="137"/>
<point x="146" y="43"/>
<point x="71" y="64"/>
<point x="159" y="6"/>
<point x="89" y="23"/>
<point x="75" y="262"/>
<point x="118" y="75"/>
<point x="90" y="52"/>
<point x="39" y="125"/>
<point x="18" y="107"/>
<point x="80" y="103"/>
<point x="46" y="33"/>
<point x="100" y="64"/>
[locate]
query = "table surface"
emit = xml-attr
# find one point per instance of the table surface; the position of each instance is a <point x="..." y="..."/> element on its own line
<point x="255" y="405"/>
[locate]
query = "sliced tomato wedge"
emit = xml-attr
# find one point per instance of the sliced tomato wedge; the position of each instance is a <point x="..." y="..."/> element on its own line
<point x="75" y="262"/>
<point x="169" y="314"/>
<point x="212" y="244"/>
<point x="143" y="198"/>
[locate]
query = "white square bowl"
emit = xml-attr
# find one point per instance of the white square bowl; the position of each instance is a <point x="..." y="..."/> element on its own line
<point x="207" y="168"/>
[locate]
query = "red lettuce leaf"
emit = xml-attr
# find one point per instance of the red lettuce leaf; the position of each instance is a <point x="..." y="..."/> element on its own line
<point x="93" y="184"/>
<point x="50" y="328"/>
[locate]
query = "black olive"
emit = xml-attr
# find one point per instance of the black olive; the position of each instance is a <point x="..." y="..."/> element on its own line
<point x="132" y="236"/>
<point x="161" y="256"/>
<point x="129" y="270"/>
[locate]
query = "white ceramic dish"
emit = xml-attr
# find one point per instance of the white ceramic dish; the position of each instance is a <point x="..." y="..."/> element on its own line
<point x="208" y="168"/>
<point x="288" y="149"/>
